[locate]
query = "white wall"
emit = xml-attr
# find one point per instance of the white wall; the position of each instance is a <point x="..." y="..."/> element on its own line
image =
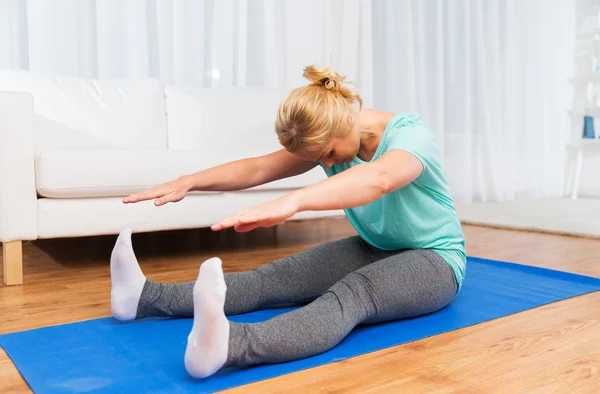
<point x="490" y="82"/>
<point x="586" y="24"/>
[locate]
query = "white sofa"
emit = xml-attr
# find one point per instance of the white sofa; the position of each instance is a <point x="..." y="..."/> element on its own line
<point x="71" y="149"/>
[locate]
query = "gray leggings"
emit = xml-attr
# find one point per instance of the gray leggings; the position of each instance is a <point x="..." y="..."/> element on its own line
<point x="345" y="283"/>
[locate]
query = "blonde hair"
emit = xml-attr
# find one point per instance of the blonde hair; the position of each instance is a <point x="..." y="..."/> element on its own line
<point x="309" y="117"/>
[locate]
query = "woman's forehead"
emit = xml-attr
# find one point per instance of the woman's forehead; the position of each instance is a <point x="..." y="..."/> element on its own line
<point x="314" y="154"/>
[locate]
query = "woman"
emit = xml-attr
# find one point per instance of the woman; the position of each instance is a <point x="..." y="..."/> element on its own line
<point x="383" y="169"/>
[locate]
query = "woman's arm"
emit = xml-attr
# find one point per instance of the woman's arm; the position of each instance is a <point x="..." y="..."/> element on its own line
<point x="356" y="186"/>
<point x="235" y="175"/>
<point x="249" y="172"/>
<point x="361" y="184"/>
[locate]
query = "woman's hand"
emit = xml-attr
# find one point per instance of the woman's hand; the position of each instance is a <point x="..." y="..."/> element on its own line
<point x="264" y="215"/>
<point x="167" y="192"/>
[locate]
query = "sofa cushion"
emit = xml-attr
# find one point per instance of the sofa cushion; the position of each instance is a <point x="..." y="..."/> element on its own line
<point x="237" y="122"/>
<point x="49" y="135"/>
<point x="240" y="121"/>
<point x="78" y="113"/>
<point x="112" y="173"/>
<point x="83" y="217"/>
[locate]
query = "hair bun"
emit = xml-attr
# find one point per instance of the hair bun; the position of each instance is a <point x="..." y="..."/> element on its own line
<point x="324" y="77"/>
<point x="332" y="81"/>
<point x="329" y="83"/>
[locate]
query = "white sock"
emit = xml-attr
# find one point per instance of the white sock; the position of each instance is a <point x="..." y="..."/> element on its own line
<point x="127" y="278"/>
<point x="208" y="341"/>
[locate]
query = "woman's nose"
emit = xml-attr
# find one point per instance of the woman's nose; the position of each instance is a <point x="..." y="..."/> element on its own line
<point x="328" y="163"/>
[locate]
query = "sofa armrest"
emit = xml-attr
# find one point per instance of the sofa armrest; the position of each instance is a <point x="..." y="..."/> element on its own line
<point x="18" y="198"/>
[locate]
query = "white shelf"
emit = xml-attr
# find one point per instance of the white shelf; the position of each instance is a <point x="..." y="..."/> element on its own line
<point x="590" y="141"/>
<point x="592" y="111"/>
<point x="586" y="147"/>
<point x="585" y="143"/>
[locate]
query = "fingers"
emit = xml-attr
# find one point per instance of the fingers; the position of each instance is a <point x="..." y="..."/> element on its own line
<point x="246" y="222"/>
<point x="162" y="197"/>
<point x="229" y="222"/>
<point x="171" y="197"/>
<point x="244" y="228"/>
<point x="132" y="198"/>
<point x="221" y="225"/>
<point x="146" y="195"/>
<point x="248" y="225"/>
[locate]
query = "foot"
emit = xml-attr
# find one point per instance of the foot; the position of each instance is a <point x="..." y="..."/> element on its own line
<point x="127" y="279"/>
<point x="208" y="341"/>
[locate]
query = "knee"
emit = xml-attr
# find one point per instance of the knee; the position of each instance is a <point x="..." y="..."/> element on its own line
<point x="356" y="297"/>
<point x="273" y="267"/>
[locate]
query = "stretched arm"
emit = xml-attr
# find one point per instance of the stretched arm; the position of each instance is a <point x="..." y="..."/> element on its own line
<point x="250" y="172"/>
<point x="361" y="184"/>
<point x="235" y="175"/>
<point x="357" y="186"/>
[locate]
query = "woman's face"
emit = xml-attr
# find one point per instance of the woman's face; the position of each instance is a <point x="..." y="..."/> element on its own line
<point x="339" y="150"/>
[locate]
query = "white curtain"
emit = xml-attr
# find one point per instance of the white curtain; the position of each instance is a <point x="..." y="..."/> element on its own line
<point x="489" y="77"/>
<point x="210" y="43"/>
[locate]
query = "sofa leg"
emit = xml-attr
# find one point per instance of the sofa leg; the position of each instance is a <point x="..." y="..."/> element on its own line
<point x="13" y="263"/>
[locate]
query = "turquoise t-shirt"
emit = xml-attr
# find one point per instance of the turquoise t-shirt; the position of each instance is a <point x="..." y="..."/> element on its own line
<point x="420" y="215"/>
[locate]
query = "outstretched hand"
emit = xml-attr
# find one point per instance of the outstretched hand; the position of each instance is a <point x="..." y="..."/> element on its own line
<point x="173" y="191"/>
<point x="264" y="215"/>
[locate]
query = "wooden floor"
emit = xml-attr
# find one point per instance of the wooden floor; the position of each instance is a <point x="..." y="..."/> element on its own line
<point x="551" y="349"/>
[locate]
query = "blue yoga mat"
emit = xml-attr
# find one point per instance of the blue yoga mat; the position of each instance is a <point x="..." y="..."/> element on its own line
<point x="105" y="355"/>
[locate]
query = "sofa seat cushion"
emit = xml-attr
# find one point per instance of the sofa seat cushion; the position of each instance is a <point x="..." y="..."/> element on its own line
<point x="116" y="173"/>
<point x="79" y="113"/>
